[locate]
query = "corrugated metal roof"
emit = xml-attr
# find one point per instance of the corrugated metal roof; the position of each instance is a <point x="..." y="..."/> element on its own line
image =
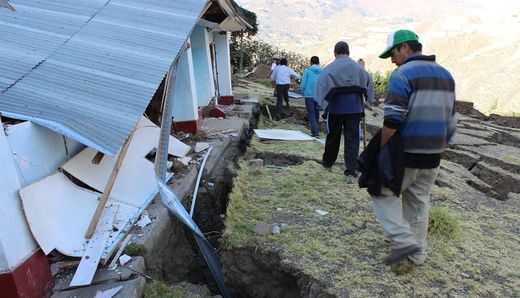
<point x="102" y="62"/>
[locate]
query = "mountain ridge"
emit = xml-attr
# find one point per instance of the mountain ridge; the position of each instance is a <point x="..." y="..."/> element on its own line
<point x="477" y="41"/>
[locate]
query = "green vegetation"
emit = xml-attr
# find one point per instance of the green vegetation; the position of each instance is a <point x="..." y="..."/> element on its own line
<point x="135" y="249"/>
<point x="473" y="251"/>
<point x="443" y="223"/>
<point x="265" y="82"/>
<point x="159" y="289"/>
<point x="380" y="81"/>
<point x="512" y="159"/>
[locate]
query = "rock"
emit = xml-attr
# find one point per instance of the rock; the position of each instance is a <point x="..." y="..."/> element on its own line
<point x="255" y="166"/>
<point x="321" y="212"/>
<point x="276" y="230"/>
<point x="262" y="228"/>
<point x="201" y="146"/>
<point x="440" y="182"/>
<point x="475" y="171"/>
<point x="124" y="259"/>
<point x="359" y="224"/>
<point x="130" y="288"/>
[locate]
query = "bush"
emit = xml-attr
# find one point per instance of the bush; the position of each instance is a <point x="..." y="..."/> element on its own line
<point x="265" y="82"/>
<point x="254" y="53"/>
<point x="159" y="289"/>
<point x="380" y="82"/>
<point x="135" y="249"/>
<point x="442" y="223"/>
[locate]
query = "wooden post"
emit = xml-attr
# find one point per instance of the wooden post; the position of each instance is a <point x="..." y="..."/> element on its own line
<point x="108" y="187"/>
<point x="268" y="112"/>
<point x="364" y="132"/>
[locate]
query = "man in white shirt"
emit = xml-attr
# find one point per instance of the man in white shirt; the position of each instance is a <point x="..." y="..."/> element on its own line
<point x="282" y="76"/>
<point x="274" y="65"/>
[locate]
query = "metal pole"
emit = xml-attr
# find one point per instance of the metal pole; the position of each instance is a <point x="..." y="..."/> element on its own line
<point x="166" y="123"/>
<point x="196" y="190"/>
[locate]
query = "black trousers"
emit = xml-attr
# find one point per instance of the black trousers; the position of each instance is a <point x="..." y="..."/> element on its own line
<point x="349" y="125"/>
<point x="282" y="93"/>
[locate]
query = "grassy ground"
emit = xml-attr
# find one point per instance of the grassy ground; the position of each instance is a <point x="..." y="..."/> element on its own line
<point x="474" y="241"/>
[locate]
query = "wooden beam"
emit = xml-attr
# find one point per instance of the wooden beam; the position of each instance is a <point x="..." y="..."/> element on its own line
<point x="268" y="112"/>
<point x="108" y="187"/>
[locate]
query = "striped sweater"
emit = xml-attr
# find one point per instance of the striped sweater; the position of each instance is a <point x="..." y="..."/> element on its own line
<point x="420" y="103"/>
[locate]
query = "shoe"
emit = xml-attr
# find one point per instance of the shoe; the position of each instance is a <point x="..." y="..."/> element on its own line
<point x="402" y="267"/>
<point x="398" y="254"/>
<point x="350" y="179"/>
<point x="317" y="136"/>
<point x="328" y="168"/>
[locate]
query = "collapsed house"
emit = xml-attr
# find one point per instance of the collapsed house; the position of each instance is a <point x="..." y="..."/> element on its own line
<point x="75" y="79"/>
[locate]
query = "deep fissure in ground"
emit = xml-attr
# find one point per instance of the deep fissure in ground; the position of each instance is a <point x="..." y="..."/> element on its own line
<point x="269" y="277"/>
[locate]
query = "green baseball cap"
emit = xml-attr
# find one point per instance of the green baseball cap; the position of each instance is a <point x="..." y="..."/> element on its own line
<point x="396" y="38"/>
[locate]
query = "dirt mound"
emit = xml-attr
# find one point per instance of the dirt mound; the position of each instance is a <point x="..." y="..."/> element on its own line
<point x="262" y="72"/>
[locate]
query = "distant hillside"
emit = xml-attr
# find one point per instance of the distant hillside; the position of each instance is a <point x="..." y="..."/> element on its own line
<point x="478" y="41"/>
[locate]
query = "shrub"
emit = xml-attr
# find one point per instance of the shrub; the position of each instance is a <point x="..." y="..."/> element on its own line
<point x="380" y="82"/>
<point x="265" y="82"/>
<point x="159" y="289"/>
<point x="442" y="223"/>
<point x="135" y="249"/>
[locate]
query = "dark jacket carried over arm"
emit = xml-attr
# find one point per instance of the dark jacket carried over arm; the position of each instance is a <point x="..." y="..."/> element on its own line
<point x="382" y="166"/>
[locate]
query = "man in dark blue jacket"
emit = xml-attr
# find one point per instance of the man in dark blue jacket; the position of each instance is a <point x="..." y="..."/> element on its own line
<point x="340" y="91"/>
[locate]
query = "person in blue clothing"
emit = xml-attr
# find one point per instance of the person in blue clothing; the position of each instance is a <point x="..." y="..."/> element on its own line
<point x="309" y="78"/>
<point x="420" y="106"/>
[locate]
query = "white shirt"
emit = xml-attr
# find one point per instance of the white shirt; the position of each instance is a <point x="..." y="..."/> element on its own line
<point x="282" y="75"/>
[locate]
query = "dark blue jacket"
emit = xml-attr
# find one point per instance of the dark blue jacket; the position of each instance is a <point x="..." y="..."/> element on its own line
<point x="382" y="166"/>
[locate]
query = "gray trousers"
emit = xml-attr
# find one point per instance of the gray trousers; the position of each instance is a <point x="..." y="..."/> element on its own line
<point x="405" y="220"/>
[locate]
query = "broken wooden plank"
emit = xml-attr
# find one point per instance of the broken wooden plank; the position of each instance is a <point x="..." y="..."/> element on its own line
<point x="94" y="250"/>
<point x="110" y="184"/>
<point x="119" y="251"/>
<point x="268" y="112"/>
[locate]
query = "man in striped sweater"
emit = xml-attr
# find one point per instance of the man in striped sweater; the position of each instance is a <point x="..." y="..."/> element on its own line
<point x="420" y="105"/>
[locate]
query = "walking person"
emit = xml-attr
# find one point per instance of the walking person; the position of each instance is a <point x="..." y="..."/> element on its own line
<point x="370" y="82"/>
<point x="340" y="90"/>
<point x="369" y="99"/>
<point x="309" y="78"/>
<point x="282" y="76"/>
<point x="275" y="62"/>
<point x="420" y="107"/>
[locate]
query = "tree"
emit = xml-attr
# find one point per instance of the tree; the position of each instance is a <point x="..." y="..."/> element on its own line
<point x="248" y="53"/>
<point x="247" y="33"/>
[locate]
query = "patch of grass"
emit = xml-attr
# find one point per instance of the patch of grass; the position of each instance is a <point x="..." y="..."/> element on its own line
<point x="474" y="248"/>
<point x="159" y="289"/>
<point x="135" y="249"/>
<point x="265" y="82"/>
<point x="443" y="223"/>
<point x="511" y="159"/>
